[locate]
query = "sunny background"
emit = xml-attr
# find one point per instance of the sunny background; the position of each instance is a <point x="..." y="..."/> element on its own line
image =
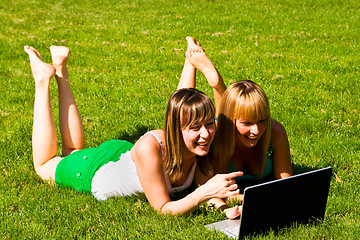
<point x="125" y="61"/>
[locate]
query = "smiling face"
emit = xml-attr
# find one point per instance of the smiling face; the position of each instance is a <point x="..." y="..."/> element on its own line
<point x="243" y="121"/>
<point x="251" y="115"/>
<point x="189" y="130"/>
<point x="198" y="137"/>
<point x="248" y="133"/>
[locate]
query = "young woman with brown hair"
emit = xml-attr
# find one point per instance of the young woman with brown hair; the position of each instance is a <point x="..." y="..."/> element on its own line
<point x="160" y="163"/>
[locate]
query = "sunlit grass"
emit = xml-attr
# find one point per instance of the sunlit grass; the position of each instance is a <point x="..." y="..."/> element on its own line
<point x="125" y="61"/>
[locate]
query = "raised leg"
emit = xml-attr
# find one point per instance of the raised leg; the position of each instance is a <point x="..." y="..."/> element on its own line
<point x="188" y="75"/>
<point x="71" y="127"/>
<point x="197" y="57"/>
<point x="44" y="140"/>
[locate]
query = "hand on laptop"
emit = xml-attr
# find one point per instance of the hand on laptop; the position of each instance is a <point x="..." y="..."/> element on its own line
<point x="233" y="212"/>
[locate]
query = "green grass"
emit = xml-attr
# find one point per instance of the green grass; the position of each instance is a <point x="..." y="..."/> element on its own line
<point x="126" y="59"/>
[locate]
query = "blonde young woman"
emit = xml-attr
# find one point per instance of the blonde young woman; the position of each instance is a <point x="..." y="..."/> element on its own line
<point x="250" y="140"/>
<point x="160" y="163"/>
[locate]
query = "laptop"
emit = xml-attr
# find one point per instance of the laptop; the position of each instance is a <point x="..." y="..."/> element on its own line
<point x="280" y="203"/>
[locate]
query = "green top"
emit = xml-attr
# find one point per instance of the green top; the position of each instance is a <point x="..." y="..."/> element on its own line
<point x="268" y="170"/>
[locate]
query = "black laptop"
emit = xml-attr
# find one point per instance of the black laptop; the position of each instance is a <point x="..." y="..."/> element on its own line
<point x="276" y="204"/>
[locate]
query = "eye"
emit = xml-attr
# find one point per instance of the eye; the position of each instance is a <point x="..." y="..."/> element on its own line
<point x="194" y="127"/>
<point x="210" y="123"/>
<point x="262" y="121"/>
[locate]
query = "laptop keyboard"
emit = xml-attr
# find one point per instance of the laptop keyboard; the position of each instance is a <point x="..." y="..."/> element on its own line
<point x="232" y="232"/>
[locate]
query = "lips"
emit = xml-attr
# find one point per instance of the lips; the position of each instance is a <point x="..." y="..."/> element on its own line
<point x="252" y="137"/>
<point x="202" y="143"/>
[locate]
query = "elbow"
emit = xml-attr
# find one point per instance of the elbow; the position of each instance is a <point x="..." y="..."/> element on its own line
<point x="165" y="210"/>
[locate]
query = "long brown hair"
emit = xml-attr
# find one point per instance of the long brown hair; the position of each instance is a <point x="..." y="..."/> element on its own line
<point x="185" y="107"/>
<point x="247" y="100"/>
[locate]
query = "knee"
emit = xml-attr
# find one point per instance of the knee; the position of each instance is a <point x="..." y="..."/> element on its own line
<point x="47" y="171"/>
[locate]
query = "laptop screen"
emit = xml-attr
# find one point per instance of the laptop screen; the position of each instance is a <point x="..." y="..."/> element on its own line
<point x="279" y="203"/>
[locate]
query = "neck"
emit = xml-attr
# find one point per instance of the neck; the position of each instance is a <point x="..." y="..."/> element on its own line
<point x="188" y="157"/>
<point x="246" y="153"/>
<point x="242" y="148"/>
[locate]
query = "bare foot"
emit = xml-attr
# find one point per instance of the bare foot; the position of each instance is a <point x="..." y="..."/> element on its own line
<point x="60" y="55"/>
<point x="200" y="60"/>
<point x="42" y="72"/>
<point x="197" y="57"/>
<point x="193" y="44"/>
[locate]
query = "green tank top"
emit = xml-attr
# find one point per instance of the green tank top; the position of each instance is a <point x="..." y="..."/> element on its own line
<point x="268" y="170"/>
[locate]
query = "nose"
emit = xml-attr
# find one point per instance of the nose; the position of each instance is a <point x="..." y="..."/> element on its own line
<point x="255" y="129"/>
<point x="204" y="132"/>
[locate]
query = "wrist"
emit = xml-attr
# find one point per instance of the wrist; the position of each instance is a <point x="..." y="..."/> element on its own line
<point x="199" y="194"/>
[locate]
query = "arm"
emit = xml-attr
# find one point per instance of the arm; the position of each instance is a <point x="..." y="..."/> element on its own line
<point x="216" y="188"/>
<point x="147" y="157"/>
<point x="281" y="157"/>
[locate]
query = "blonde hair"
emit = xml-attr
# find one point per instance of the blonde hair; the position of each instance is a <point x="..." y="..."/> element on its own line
<point x="186" y="107"/>
<point x="247" y="100"/>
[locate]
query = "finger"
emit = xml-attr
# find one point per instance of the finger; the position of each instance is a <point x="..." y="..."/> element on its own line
<point x="232" y="187"/>
<point x="233" y="193"/>
<point x="230" y="182"/>
<point x="234" y="175"/>
<point x="228" y="193"/>
<point x="238" y="210"/>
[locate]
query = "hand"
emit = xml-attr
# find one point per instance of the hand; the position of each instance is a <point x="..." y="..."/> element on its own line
<point x="220" y="186"/>
<point x="233" y="212"/>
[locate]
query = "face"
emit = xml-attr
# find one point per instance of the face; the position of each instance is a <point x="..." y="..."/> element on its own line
<point x="248" y="133"/>
<point x="198" y="137"/>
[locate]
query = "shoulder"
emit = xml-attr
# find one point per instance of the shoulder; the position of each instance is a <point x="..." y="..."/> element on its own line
<point x="147" y="147"/>
<point x="148" y="142"/>
<point x="277" y="129"/>
<point x="278" y="133"/>
<point x="160" y="134"/>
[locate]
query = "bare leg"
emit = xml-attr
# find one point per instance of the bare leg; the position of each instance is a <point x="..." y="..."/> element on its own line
<point x="201" y="62"/>
<point x="188" y="75"/>
<point x="44" y="140"/>
<point x="71" y="127"/>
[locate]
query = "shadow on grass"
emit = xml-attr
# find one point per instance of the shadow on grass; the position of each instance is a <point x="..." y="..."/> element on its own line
<point x="133" y="136"/>
<point x="302" y="168"/>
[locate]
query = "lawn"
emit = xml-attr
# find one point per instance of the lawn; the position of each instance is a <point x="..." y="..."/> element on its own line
<point x="126" y="59"/>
